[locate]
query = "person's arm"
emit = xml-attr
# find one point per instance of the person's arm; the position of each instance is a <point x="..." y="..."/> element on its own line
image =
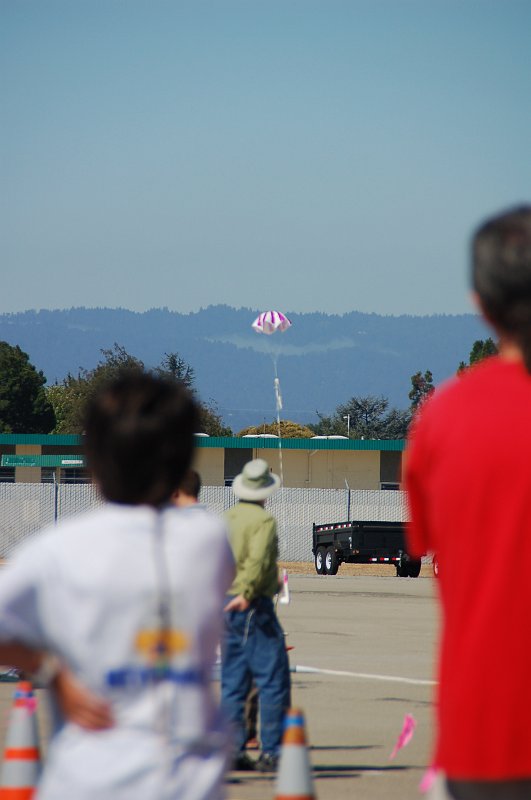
<point x="24" y="640"/>
<point x="262" y="551"/>
<point x="261" y="558"/>
<point x="77" y="703"/>
<point x="238" y="603"/>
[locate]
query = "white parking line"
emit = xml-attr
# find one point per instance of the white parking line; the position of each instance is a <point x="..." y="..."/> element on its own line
<point x="363" y="675"/>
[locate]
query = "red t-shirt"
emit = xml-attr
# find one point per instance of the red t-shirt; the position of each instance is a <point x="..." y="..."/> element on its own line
<point x="468" y="473"/>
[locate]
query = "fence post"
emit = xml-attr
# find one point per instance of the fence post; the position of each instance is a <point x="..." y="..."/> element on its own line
<point x="348" y="500"/>
<point x="55" y="499"/>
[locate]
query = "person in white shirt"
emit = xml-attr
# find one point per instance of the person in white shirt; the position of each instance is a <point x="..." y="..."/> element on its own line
<point x="128" y="599"/>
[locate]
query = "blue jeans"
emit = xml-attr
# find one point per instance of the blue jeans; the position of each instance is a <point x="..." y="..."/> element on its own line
<point x="254" y="647"/>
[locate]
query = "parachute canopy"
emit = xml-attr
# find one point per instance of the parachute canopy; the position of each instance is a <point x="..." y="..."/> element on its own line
<point x="271" y="321"/>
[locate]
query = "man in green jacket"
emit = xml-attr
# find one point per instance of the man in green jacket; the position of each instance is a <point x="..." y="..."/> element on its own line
<point x="253" y="646"/>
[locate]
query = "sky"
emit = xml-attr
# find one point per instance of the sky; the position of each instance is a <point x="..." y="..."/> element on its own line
<point x="302" y="155"/>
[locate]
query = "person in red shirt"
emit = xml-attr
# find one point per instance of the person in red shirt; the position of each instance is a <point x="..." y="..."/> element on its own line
<point x="468" y="475"/>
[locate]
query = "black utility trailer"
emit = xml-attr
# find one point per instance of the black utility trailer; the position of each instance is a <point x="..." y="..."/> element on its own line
<point x="362" y="543"/>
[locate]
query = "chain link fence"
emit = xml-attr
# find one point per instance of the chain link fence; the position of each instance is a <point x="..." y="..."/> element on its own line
<point x="25" y="508"/>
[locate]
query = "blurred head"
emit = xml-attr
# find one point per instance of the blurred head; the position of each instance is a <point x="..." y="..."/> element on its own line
<point x="188" y="490"/>
<point x="140" y="438"/>
<point x="501" y="275"/>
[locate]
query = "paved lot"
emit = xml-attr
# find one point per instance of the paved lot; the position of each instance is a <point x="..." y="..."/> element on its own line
<point x="383" y="628"/>
<point x="377" y="626"/>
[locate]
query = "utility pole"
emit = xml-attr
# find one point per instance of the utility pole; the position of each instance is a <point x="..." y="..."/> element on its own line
<point x="347" y="417"/>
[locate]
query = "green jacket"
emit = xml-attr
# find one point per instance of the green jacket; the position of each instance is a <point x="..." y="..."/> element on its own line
<point x="253" y="538"/>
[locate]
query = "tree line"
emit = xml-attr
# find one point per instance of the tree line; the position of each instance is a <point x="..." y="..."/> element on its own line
<point x="27" y="405"/>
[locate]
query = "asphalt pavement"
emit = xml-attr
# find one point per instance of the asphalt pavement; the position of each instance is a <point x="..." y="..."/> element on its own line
<point x="382" y="632"/>
<point x="363" y="655"/>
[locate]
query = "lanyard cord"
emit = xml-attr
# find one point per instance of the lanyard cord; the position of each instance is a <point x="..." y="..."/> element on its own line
<point x="163" y="578"/>
<point x="209" y="741"/>
<point x="163" y="722"/>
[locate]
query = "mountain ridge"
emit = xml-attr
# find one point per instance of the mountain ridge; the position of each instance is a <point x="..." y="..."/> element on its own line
<point x="321" y="361"/>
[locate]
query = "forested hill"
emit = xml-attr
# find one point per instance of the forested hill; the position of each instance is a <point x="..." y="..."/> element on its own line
<point x="322" y="360"/>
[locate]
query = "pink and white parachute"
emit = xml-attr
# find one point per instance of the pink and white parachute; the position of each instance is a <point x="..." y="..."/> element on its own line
<point x="271" y="321"/>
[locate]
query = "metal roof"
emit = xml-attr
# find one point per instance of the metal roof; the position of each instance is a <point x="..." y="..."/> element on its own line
<point x="226" y="442"/>
<point x="65" y="440"/>
<point x="257" y="442"/>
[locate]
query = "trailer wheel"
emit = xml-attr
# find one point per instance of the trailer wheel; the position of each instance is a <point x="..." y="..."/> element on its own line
<point x="320" y="561"/>
<point x="408" y="567"/>
<point x="413" y="568"/>
<point x="402" y="570"/>
<point x="331" y="561"/>
<point x="402" y="566"/>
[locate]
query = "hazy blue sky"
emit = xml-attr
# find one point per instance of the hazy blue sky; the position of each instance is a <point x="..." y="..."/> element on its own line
<point x="288" y="154"/>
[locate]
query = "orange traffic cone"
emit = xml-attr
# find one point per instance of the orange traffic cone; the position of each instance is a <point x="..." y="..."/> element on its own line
<point x="294" y="776"/>
<point x="21" y="767"/>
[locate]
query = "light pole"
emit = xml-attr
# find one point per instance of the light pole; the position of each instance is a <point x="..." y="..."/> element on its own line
<point x="347" y="417"/>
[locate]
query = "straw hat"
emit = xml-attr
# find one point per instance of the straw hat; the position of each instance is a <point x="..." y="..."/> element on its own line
<point x="255" y="482"/>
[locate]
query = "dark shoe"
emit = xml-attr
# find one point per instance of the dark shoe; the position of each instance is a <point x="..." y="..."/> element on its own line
<point x="242" y="763"/>
<point x="267" y="763"/>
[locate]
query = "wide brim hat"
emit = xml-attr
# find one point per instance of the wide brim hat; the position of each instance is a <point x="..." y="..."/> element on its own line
<point x="255" y="481"/>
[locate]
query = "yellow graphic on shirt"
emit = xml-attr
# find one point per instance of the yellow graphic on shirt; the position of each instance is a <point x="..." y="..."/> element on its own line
<point x="158" y="646"/>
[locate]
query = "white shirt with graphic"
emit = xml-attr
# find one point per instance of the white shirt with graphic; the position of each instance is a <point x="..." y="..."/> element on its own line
<point x="131" y="599"/>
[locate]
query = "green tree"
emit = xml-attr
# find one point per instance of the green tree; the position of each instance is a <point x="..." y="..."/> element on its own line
<point x="24" y="406"/>
<point x="328" y="426"/>
<point x="116" y="361"/>
<point x="288" y="430"/>
<point x="366" y="415"/>
<point x="70" y="397"/>
<point x="395" y="424"/>
<point x="481" y="349"/>
<point x="210" y="420"/>
<point x="64" y="398"/>
<point x="364" y="418"/>
<point x="174" y="367"/>
<point x="421" y="388"/>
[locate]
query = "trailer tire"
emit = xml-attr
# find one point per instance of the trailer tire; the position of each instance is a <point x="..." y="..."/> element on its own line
<point x="320" y="560"/>
<point x="413" y="568"/>
<point x="402" y="566"/>
<point x="331" y="562"/>
<point x="408" y="567"/>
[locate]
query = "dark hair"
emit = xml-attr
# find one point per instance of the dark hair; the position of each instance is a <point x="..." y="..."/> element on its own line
<point x="501" y="274"/>
<point x="140" y="438"/>
<point x="191" y="484"/>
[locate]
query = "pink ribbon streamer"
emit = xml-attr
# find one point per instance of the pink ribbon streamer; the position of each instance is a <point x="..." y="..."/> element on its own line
<point x="428" y="779"/>
<point x="406" y="734"/>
